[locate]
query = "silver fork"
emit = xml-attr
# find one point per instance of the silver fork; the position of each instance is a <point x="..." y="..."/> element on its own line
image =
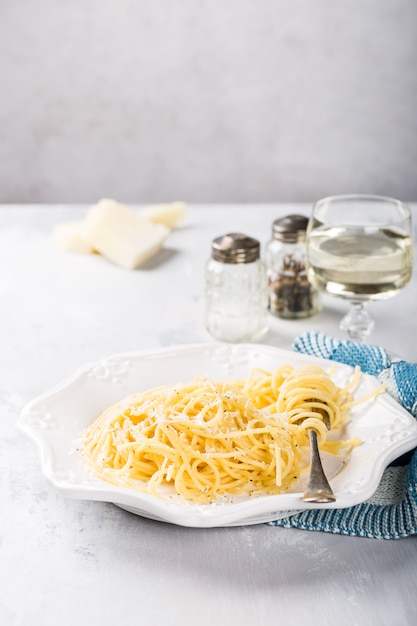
<point x="318" y="488"/>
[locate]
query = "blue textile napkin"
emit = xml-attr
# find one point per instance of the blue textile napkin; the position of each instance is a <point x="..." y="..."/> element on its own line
<point x="391" y="513"/>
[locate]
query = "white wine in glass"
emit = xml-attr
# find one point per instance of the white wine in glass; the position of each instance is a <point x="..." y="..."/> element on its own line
<point x="360" y="248"/>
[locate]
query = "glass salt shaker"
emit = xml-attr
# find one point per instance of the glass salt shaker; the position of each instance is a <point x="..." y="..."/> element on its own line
<point x="236" y="289"/>
<point x="291" y="295"/>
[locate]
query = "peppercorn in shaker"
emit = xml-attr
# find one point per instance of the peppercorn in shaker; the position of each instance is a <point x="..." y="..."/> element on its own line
<point x="236" y="289"/>
<point x="291" y="295"/>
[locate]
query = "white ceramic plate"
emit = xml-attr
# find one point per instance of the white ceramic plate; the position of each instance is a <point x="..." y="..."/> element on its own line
<point x="56" y="419"/>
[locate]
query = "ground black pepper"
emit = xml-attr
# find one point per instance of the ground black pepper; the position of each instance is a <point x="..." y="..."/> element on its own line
<point x="291" y="295"/>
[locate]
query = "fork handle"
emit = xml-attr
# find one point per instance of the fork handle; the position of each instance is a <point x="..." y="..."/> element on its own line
<point x="318" y="488"/>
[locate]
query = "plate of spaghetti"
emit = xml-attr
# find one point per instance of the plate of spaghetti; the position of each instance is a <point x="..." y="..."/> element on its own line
<point x="215" y="435"/>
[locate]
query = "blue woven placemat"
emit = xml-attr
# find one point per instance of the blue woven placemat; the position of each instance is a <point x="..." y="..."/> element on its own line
<point x="391" y="513"/>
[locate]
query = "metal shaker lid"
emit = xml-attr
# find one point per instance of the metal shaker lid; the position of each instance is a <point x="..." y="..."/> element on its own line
<point x="235" y="248"/>
<point x="290" y="229"/>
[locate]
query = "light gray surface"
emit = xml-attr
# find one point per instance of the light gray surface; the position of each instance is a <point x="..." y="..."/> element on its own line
<point x="237" y="101"/>
<point x="68" y="562"/>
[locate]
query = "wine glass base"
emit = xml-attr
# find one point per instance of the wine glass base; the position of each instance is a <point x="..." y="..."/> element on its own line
<point x="357" y="323"/>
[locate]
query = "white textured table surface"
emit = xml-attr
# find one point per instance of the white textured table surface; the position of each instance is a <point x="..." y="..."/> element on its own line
<point x="68" y="562"/>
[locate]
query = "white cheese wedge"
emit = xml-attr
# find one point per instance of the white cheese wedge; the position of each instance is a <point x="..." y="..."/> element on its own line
<point x="70" y="237"/>
<point x="121" y="235"/>
<point x="169" y="214"/>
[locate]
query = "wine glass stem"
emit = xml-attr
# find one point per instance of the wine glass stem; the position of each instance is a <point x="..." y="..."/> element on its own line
<point x="358" y="324"/>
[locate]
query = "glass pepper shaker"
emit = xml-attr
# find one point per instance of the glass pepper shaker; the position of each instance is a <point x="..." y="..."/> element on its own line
<point x="236" y="289"/>
<point x="291" y="295"/>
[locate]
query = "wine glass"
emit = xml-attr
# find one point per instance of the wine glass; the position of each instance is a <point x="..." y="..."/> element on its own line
<point x="359" y="247"/>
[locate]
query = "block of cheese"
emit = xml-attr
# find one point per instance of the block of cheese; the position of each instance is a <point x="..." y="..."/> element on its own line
<point x="70" y="237"/>
<point x="169" y="214"/>
<point x="121" y="235"/>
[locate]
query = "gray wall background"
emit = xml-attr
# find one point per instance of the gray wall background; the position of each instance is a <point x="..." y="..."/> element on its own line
<point x="207" y="100"/>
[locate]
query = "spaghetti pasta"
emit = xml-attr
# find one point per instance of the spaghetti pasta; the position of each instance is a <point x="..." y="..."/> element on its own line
<point x="213" y="439"/>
